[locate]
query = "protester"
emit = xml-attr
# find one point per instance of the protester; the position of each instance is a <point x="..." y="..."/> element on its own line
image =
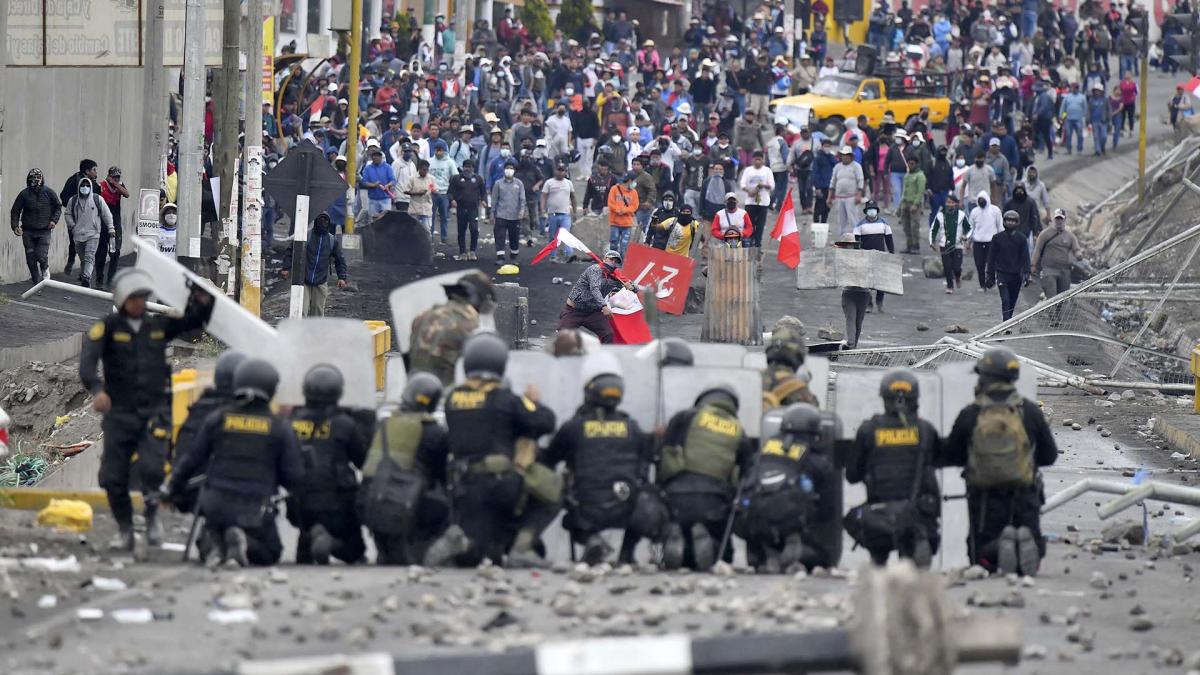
<point x="1053" y="254"/>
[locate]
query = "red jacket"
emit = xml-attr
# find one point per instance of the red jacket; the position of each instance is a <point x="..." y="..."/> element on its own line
<point x="724" y="220"/>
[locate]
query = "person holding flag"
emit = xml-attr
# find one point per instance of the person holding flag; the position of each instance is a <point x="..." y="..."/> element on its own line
<point x="587" y="304"/>
<point x="786" y="233"/>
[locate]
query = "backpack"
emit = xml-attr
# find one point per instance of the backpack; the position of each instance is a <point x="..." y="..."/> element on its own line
<point x="1000" y="453"/>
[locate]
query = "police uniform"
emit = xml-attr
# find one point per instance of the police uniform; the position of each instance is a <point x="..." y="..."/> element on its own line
<point x="402" y="499"/>
<point x="783" y="387"/>
<point x="991" y="510"/>
<point x="247" y="453"/>
<point x="485" y="420"/>
<point x="438" y="335"/>
<point x="703" y="450"/>
<point x="782" y="501"/>
<point x="332" y="445"/>
<point x="137" y="379"/>
<point x="210" y="401"/>
<point x="894" y="456"/>
<point x="608" y="459"/>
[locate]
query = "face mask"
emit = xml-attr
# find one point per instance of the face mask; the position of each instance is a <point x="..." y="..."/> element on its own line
<point x="505" y="152"/>
<point x="669" y="203"/>
<point x="979" y="162"/>
<point x="1019" y="196"/>
<point x="685" y="219"/>
<point x="1010" y="224"/>
<point x="170" y="219"/>
<point x="509" y="173"/>
<point x="731" y="206"/>
<point x="981" y="202"/>
<point x="960" y="162"/>
<point x="610" y="266"/>
<point x="569" y="92"/>
<point x="872" y="213"/>
<point x="85" y="191"/>
<point x="616" y="138"/>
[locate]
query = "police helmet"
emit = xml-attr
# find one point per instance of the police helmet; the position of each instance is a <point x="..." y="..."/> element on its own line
<point x="999" y="363"/>
<point x="899" y="390"/>
<point x="131" y="282"/>
<point x="255" y="378"/>
<point x="477" y="288"/>
<point x="323" y="385"/>
<point x="676" y="352"/>
<point x="718" y="394"/>
<point x="787" y="347"/>
<point x="605" y="390"/>
<point x="485" y="355"/>
<point x="792" y="323"/>
<point x="422" y="392"/>
<point x="227" y="364"/>
<point x="801" y="419"/>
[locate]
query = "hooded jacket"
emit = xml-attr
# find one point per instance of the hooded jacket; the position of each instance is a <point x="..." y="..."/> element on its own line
<point x="35" y="209"/>
<point x="1030" y="220"/>
<point x="985" y="221"/>
<point x="86" y="216"/>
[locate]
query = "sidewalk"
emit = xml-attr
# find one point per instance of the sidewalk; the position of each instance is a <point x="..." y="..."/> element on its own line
<point x="1181" y="432"/>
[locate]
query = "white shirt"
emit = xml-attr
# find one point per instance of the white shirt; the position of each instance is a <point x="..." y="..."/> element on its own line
<point x="404" y="172"/>
<point x="558" y="195"/>
<point x="559" y="126"/>
<point x="760" y="176"/>
<point x="986" y="222"/>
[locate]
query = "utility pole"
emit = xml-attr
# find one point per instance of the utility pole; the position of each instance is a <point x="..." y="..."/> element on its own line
<point x="251" y="258"/>
<point x="789" y="29"/>
<point x="1144" y="29"/>
<point x="227" y="90"/>
<point x="191" y="137"/>
<point x="154" y="99"/>
<point x="356" y="29"/>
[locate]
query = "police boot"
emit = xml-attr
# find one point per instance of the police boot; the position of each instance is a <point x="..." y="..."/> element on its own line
<point x="450" y="545"/>
<point x="154" y="529"/>
<point x="703" y="549"/>
<point x="772" y="563"/>
<point x="124" y="540"/>
<point x="1006" y="551"/>
<point x="793" y="550"/>
<point x="522" y="555"/>
<point x="596" y="550"/>
<point x="320" y="544"/>
<point x="922" y="554"/>
<point x="235" y="546"/>
<point x="673" y="548"/>
<point x="1028" y="557"/>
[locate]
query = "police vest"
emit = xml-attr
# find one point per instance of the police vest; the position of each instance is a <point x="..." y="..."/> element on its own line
<point x="399" y="438"/>
<point x="608" y="452"/>
<point x="476" y="425"/>
<point x="710" y="446"/>
<point x="326" y="467"/>
<point x="892" y="459"/>
<point x="242" y="451"/>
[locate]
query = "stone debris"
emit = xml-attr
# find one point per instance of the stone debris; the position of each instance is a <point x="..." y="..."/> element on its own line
<point x="1123" y="531"/>
<point x="1140" y="624"/>
<point x="1034" y="653"/>
<point x="922" y="326"/>
<point x="957" y="329"/>
<point x="974" y="573"/>
<point x="1099" y="580"/>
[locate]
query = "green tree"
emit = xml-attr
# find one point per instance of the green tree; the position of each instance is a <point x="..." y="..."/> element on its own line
<point x="536" y="18"/>
<point x="572" y="15"/>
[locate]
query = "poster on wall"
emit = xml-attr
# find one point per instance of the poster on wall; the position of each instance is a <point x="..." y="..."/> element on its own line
<point x="287" y="16"/>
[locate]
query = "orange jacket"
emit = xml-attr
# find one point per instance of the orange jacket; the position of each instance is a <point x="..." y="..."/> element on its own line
<point x="622" y="204"/>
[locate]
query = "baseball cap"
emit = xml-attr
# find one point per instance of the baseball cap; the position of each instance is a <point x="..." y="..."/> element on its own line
<point x="730" y="195"/>
<point x="1059" y="213"/>
<point x="994" y="141"/>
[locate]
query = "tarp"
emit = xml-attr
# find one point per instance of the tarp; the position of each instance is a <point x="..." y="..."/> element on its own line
<point x="838" y="268"/>
<point x="230" y="322"/>
<point x="345" y="344"/>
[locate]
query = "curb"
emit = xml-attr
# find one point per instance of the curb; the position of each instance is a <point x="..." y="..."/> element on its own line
<point x="1178" y="438"/>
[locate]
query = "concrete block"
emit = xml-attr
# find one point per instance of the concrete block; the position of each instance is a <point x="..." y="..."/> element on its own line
<point x="352" y="248"/>
<point x="512" y="314"/>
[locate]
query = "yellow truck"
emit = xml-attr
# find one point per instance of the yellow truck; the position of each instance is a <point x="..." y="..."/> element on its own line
<point x="836" y="98"/>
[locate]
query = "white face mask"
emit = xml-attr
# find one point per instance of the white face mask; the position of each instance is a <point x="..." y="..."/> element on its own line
<point x="616" y="138"/>
<point x="85" y="191"/>
<point x="569" y="92"/>
<point x="509" y="173"/>
<point x="170" y="218"/>
<point x="669" y="203"/>
<point x="960" y="162"/>
<point x="505" y="152"/>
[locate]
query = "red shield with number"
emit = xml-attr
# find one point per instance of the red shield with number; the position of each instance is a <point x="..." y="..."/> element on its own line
<point x="671" y="274"/>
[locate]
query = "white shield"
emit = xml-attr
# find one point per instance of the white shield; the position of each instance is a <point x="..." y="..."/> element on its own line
<point x="345" y="344"/>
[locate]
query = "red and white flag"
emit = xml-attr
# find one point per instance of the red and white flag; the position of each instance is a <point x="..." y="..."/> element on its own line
<point x="564" y="238"/>
<point x="1192" y="87"/>
<point x="787" y="234"/>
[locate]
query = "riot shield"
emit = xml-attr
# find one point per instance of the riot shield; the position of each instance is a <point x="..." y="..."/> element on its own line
<point x="682" y="385"/>
<point x="230" y="322"/>
<point x="345" y="344"/>
<point x="409" y="300"/>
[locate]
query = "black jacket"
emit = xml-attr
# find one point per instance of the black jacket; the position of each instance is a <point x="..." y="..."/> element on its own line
<point x="954" y="449"/>
<point x="940" y="177"/>
<point x="484" y="418"/>
<point x="468" y="193"/>
<point x="1008" y="254"/>
<point x="322" y="250"/>
<point x="35" y="209"/>
<point x="137" y="376"/>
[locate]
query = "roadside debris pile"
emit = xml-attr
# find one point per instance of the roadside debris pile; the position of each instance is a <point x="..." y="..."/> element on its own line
<point x="51" y="418"/>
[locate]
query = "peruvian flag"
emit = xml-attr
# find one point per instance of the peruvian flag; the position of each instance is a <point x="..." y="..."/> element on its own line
<point x="786" y="234"/>
<point x="564" y="238"/>
<point x="1193" y="87"/>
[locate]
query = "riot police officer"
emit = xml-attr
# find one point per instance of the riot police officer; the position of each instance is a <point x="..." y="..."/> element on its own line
<point x="781" y="495"/>
<point x="402" y="500"/>
<point x="1001" y="440"/>
<point x="438" y="334"/>
<point x="702" y="452"/>
<point x="894" y="455"/>
<point x="247" y="453"/>
<point x="133" y="395"/>
<point x="502" y="500"/>
<point x="211" y="400"/>
<point x="332" y="445"/>
<point x="782" y="385"/>
<point x="608" y="460"/>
